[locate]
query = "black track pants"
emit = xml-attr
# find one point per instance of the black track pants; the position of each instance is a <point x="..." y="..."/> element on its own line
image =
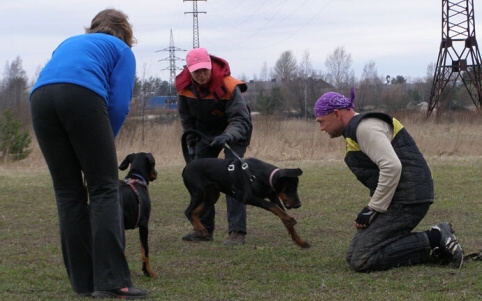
<point x="73" y="131"/>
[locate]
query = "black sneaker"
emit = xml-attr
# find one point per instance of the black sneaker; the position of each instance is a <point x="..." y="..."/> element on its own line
<point x="194" y="236"/>
<point x="122" y="293"/>
<point x="449" y="246"/>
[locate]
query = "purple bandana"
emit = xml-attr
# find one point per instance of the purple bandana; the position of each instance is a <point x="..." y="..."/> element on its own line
<point x="331" y="101"/>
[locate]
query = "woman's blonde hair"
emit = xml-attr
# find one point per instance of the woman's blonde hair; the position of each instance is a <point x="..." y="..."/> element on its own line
<point x="113" y="22"/>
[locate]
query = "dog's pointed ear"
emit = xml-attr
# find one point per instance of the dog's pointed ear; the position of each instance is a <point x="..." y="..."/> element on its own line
<point x="125" y="163"/>
<point x="290" y="172"/>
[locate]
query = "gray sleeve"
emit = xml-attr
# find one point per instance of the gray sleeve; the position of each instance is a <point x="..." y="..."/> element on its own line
<point x="239" y="118"/>
<point x="374" y="138"/>
<point x="187" y="119"/>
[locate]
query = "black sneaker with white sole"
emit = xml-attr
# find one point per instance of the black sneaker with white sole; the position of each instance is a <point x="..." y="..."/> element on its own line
<point x="449" y="248"/>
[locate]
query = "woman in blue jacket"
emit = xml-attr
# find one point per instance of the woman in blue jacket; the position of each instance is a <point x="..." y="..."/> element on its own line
<point x="78" y="106"/>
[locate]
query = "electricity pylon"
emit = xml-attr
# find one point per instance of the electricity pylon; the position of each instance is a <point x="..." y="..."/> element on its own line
<point x="459" y="60"/>
<point x="172" y="58"/>
<point x="195" y="24"/>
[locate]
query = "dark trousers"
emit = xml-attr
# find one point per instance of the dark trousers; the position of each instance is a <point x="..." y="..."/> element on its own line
<point x="236" y="210"/>
<point x="73" y="131"/>
<point x="389" y="241"/>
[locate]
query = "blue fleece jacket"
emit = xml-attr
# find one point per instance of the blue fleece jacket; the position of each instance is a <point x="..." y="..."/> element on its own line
<point x="99" y="62"/>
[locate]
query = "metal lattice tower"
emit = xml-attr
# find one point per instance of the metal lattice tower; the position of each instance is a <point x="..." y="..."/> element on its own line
<point x="172" y="58"/>
<point x="195" y="24"/>
<point x="459" y="59"/>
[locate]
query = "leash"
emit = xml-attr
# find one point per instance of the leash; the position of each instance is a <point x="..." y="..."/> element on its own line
<point x="244" y="165"/>
<point x="474" y="256"/>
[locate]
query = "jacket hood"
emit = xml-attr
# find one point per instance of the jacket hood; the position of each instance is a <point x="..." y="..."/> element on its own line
<point x="220" y="69"/>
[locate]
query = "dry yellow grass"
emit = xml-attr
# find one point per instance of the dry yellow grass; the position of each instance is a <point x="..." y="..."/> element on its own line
<point x="276" y="140"/>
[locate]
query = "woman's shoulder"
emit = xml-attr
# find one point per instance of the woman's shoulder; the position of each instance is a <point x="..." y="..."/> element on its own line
<point x="97" y="38"/>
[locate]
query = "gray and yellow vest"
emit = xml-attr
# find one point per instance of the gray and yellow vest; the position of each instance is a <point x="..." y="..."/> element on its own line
<point x="416" y="183"/>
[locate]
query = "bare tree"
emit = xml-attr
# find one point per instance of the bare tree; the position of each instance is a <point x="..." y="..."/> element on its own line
<point x="304" y="72"/>
<point x="340" y="73"/>
<point x="305" y="67"/>
<point x="395" y="97"/>
<point x="370" y="88"/>
<point x="284" y="71"/>
<point x="285" y="67"/>
<point x="263" y="74"/>
<point x="295" y="90"/>
<point x="14" y="90"/>
<point x="430" y="71"/>
<point x="301" y="92"/>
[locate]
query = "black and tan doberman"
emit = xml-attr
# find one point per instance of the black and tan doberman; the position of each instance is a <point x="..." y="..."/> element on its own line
<point x="250" y="181"/>
<point x="136" y="203"/>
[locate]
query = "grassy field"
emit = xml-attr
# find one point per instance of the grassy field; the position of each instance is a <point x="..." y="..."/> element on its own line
<point x="269" y="266"/>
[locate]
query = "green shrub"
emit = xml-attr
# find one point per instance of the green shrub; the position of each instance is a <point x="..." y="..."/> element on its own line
<point x="14" y="141"/>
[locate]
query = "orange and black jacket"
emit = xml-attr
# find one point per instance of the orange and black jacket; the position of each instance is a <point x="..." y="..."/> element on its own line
<point x="217" y="108"/>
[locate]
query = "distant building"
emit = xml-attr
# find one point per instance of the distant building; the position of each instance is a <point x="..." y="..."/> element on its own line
<point x="255" y="88"/>
<point x="163" y="102"/>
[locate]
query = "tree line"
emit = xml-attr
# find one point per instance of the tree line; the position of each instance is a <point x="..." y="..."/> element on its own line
<point x="290" y="87"/>
<point x="297" y="86"/>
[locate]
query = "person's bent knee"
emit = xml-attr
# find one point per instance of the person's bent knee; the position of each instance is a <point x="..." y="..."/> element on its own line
<point x="360" y="266"/>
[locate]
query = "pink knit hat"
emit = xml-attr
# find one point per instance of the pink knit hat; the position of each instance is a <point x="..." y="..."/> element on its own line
<point x="198" y="58"/>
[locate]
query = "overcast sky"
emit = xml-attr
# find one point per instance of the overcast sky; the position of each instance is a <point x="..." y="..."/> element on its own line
<point x="401" y="37"/>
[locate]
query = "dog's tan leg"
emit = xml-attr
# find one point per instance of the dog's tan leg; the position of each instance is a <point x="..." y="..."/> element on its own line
<point x="290" y="223"/>
<point x="146" y="266"/>
<point x="196" y="221"/>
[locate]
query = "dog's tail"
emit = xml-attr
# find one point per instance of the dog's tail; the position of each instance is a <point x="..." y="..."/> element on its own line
<point x="186" y="152"/>
<point x="185" y="149"/>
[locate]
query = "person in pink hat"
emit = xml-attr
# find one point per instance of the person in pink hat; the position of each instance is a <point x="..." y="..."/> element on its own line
<point x="384" y="157"/>
<point x="210" y="102"/>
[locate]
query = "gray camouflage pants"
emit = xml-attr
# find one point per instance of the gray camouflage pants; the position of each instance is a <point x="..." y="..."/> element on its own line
<point x="389" y="241"/>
